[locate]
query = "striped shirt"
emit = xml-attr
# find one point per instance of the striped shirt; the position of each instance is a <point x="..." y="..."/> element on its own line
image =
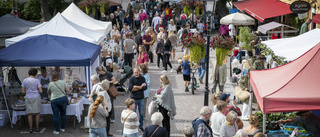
<point x="132" y="122"/>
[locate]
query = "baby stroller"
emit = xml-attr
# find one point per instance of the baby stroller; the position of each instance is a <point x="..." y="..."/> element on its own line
<point x="120" y="85"/>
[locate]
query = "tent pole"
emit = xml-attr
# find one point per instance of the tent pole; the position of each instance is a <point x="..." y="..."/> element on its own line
<point x="87" y="78"/>
<point x="5" y="100"/>
<point x="282" y="27"/>
<point x="264" y="123"/>
<point x="89" y="85"/>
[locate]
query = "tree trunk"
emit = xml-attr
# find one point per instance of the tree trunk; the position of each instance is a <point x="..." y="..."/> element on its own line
<point x="45" y="14"/>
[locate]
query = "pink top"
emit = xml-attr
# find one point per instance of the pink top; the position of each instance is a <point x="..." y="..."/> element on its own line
<point x="143" y="59"/>
<point x="143" y="16"/>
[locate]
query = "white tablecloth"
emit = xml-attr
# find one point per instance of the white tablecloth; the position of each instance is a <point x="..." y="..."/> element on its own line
<point x="73" y="109"/>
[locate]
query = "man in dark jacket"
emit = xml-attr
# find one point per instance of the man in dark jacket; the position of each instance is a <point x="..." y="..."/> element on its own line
<point x="138" y="39"/>
<point x="200" y="125"/>
<point x="137" y="84"/>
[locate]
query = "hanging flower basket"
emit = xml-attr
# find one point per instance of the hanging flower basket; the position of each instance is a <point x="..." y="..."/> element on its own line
<point x="196" y="45"/>
<point x="222" y="45"/>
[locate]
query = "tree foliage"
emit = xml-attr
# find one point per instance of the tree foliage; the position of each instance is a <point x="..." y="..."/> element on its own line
<point x="32" y="10"/>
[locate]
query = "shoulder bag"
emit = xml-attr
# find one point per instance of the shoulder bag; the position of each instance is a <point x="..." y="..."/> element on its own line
<point x="125" y="121"/>
<point x="243" y="95"/>
<point x="63" y="93"/>
<point x="152" y="107"/>
<point x="113" y="92"/>
<point x="154" y="131"/>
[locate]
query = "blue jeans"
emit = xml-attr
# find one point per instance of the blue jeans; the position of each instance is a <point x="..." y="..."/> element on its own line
<point x="101" y="132"/>
<point x="202" y="70"/>
<point x="140" y="104"/>
<point x="115" y="59"/>
<point x="59" y="106"/>
<point x="131" y="135"/>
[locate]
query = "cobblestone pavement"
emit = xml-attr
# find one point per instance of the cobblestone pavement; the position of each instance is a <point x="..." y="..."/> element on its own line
<point x="188" y="107"/>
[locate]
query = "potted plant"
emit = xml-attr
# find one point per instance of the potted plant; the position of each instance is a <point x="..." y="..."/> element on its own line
<point x="196" y="45"/>
<point x="222" y="45"/>
<point x="245" y="38"/>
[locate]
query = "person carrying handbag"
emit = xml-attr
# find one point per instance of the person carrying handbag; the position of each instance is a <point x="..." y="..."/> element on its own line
<point x="58" y="89"/>
<point x="130" y="120"/>
<point x="155" y="130"/>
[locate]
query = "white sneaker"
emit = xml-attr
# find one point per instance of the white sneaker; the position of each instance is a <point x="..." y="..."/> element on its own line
<point x="164" y="71"/>
<point x="56" y="132"/>
<point x="171" y="69"/>
<point x="62" y="130"/>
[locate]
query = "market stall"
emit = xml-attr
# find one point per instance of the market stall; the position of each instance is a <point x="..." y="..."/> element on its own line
<point x="60" y="26"/>
<point x="77" y="16"/>
<point x="291" y="87"/>
<point x="72" y="110"/>
<point x="13" y="26"/>
<point x="292" y="48"/>
<point x="276" y="28"/>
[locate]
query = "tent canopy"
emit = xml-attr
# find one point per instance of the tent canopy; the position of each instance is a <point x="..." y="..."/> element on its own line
<point x="273" y="25"/>
<point x="263" y="9"/>
<point x="49" y="50"/>
<point x="77" y="16"/>
<point x="13" y="26"/>
<point x="292" y="48"/>
<point x="291" y="87"/>
<point x="60" y="26"/>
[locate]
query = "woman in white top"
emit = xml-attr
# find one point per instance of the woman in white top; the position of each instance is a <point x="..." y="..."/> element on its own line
<point x="229" y="128"/>
<point x="97" y="118"/>
<point x="130" y="120"/>
<point x="115" y="32"/>
<point x="136" y="19"/>
<point x="104" y="93"/>
<point x="95" y="88"/>
<point x="172" y="26"/>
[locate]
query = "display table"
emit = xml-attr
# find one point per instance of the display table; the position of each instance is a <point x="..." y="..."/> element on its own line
<point x="73" y="110"/>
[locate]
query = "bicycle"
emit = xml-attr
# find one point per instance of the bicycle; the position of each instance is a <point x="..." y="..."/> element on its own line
<point x="193" y="80"/>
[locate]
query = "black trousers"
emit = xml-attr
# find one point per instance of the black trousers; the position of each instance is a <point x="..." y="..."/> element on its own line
<point x="166" y="119"/>
<point x="128" y="59"/>
<point x="158" y="59"/>
<point x="108" y="124"/>
<point x="166" y="61"/>
<point x="137" y="24"/>
<point x="149" y="53"/>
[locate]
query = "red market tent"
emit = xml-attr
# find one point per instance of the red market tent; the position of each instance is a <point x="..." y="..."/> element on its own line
<point x="292" y="87"/>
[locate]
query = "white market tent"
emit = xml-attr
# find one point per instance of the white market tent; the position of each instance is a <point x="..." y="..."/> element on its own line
<point x="267" y="28"/>
<point x="294" y="47"/>
<point x="77" y="16"/>
<point x="59" y="26"/>
<point x="36" y="27"/>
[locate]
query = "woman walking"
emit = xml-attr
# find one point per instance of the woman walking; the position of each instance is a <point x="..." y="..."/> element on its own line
<point x="142" y="56"/>
<point x="97" y="118"/>
<point x="136" y="19"/>
<point x="107" y="100"/>
<point x="159" y="50"/>
<point x="167" y="47"/>
<point x="173" y="39"/>
<point x="58" y="89"/>
<point x="165" y="99"/>
<point x="32" y="88"/>
<point x="130" y="120"/>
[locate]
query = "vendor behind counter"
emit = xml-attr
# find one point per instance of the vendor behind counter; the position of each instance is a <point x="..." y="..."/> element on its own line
<point x="311" y="121"/>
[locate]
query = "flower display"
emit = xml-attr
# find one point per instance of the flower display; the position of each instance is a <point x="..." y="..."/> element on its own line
<point x="222" y="45"/>
<point x="196" y="45"/>
<point x="199" y="4"/>
<point x="223" y="42"/>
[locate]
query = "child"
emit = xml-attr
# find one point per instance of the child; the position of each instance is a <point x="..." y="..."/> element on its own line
<point x="179" y="70"/>
<point x="186" y="72"/>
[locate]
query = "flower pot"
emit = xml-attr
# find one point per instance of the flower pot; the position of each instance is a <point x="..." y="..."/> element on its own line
<point x="197" y="11"/>
<point x="221" y="54"/>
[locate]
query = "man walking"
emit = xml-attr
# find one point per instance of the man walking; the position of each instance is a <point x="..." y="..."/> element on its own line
<point x="128" y="50"/>
<point x="304" y="26"/>
<point x="219" y="77"/>
<point x="137" y="85"/>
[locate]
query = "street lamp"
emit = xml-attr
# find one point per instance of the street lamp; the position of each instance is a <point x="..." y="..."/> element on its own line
<point x="206" y="90"/>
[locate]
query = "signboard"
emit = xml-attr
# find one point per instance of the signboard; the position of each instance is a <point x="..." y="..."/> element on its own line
<point x="300" y="7"/>
<point x="233" y="11"/>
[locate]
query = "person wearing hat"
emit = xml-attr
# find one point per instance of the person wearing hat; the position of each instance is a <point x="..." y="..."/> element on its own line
<point x="260" y="63"/>
<point x="225" y="97"/>
<point x="311" y="121"/>
<point x="219" y="77"/>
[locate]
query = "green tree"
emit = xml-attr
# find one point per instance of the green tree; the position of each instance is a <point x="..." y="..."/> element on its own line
<point x="32" y="10"/>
